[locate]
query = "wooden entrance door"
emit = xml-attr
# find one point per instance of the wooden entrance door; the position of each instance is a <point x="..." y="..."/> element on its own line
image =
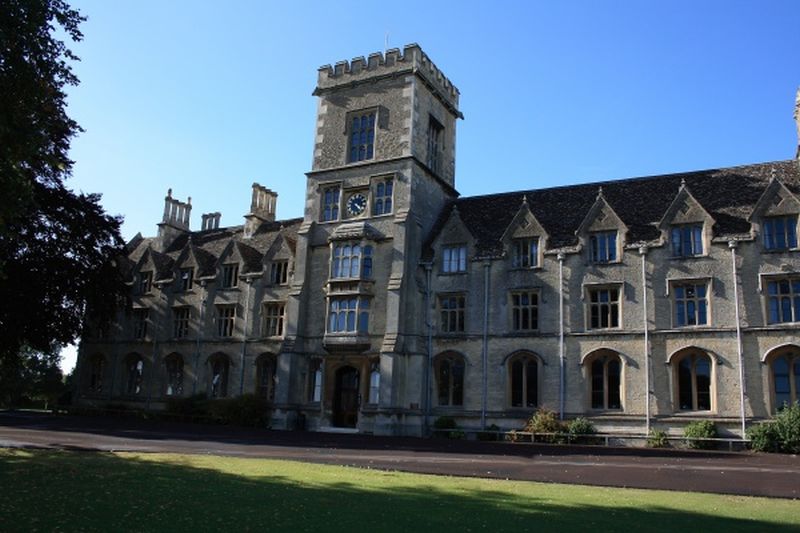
<point x="346" y="398"/>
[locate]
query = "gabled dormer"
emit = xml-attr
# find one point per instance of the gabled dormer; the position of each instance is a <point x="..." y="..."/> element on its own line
<point x="278" y="260"/>
<point x="186" y="269"/>
<point x="153" y="268"/>
<point x="602" y="232"/>
<point x="454" y="246"/>
<point x="775" y="217"/>
<point x="229" y="266"/>
<point x="686" y="226"/>
<point x="525" y="239"/>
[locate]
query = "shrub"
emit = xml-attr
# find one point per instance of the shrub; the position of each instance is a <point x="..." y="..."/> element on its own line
<point x="448" y="427"/>
<point x="245" y="410"/>
<point x="781" y="434"/>
<point x="490" y="433"/>
<point x="701" y="429"/>
<point x="657" y="439"/>
<point x="578" y="429"/>
<point x="546" y="421"/>
<point x="191" y="406"/>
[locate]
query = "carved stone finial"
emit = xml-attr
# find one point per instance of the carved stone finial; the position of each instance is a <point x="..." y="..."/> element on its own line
<point x="600" y="192"/>
<point x="524" y="199"/>
<point x="169" y="192"/>
<point x="683" y="183"/>
<point x="773" y="174"/>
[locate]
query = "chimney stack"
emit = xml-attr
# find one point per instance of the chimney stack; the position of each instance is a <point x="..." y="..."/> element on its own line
<point x="262" y="209"/>
<point x="210" y="220"/>
<point x="175" y="220"/>
<point x="797" y="121"/>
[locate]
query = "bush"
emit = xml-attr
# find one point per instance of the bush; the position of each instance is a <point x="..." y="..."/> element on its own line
<point x="701" y="429"/>
<point x="191" y="406"/>
<point x="780" y="435"/>
<point x="490" y="433"/>
<point x="246" y="410"/>
<point x="578" y="429"/>
<point x="546" y="421"/>
<point x="657" y="439"/>
<point x="448" y="427"/>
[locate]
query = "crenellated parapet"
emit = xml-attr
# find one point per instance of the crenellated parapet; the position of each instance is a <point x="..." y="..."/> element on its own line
<point x="411" y="60"/>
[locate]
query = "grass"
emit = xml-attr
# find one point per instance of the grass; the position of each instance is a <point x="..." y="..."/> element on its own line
<point x="70" y="491"/>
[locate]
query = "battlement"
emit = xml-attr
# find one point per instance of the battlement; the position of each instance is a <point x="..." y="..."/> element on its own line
<point x="377" y="65"/>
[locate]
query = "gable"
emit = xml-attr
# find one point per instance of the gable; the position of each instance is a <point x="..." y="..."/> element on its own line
<point x="685" y="209"/>
<point x="776" y="200"/>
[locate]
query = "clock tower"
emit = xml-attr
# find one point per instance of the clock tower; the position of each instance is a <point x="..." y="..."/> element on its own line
<point x="383" y="168"/>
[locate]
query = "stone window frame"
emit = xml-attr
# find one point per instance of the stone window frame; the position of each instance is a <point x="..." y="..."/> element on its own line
<point x="600" y="241"/>
<point x="455" y="322"/>
<point x="606" y="358"/>
<point x="534" y="308"/>
<point x="219" y="374"/>
<point x="273" y="319"/>
<point x="790" y="232"/>
<point x="387" y="198"/>
<point x="186" y="279"/>
<point x="145" y="282"/>
<point x="364" y="258"/>
<point x="458" y="265"/>
<point x="279" y="272"/>
<point x="349" y="132"/>
<point x="141" y="319"/>
<point x="526" y="358"/>
<point x="266" y="376"/>
<point x="174" y="368"/>
<point x="676" y="360"/>
<point x="675" y="283"/>
<point x="435" y="145"/>
<point x="181" y="318"/>
<point x="225" y="320"/>
<point x="793" y="296"/>
<point x="330" y="202"/>
<point x="687" y="240"/>
<point x="526" y="250"/>
<point x="358" y="309"/>
<point x="790" y="353"/>
<point x="455" y="383"/>
<point x="229" y="276"/>
<point x="134" y="375"/>
<point x="588" y="289"/>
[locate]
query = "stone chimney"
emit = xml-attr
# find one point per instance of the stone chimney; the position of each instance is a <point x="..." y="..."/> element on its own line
<point x="262" y="209"/>
<point x="175" y="220"/>
<point x="211" y="220"/>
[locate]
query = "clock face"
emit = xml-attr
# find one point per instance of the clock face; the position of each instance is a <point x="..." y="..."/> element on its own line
<point x="356" y="204"/>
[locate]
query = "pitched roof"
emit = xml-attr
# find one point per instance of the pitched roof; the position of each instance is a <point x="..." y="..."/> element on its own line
<point x="728" y="194"/>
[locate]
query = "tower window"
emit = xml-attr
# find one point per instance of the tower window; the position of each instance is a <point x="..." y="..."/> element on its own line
<point x="330" y="204"/>
<point x="383" y="197"/>
<point x="362" y="137"/>
<point x="434" y="145"/>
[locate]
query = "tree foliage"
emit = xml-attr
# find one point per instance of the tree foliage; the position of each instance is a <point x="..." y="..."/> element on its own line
<point x="56" y="245"/>
<point x="30" y="378"/>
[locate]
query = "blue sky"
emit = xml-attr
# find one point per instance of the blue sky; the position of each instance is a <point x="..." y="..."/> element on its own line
<point x="206" y="98"/>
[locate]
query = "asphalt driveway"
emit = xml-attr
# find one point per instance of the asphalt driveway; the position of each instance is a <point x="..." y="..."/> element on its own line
<point x="718" y="472"/>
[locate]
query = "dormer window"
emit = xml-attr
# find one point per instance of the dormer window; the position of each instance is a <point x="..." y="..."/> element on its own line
<point x="279" y="273"/>
<point x="525" y="253"/>
<point x="687" y="240"/>
<point x="603" y="246"/>
<point x="351" y="261"/>
<point x="362" y="137"/>
<point x="186" y="279"/>
<point x="454" y="259"/>
<point x="230" y="276"/>
<point x="145" y="282"/>
<point x="780" y="233"/>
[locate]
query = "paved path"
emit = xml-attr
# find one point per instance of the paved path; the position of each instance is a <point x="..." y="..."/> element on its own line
<point x="720" y="472"/>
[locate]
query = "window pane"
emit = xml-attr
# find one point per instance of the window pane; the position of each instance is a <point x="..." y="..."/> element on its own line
<point x="516" y="384"/>
<point x="532" y="384"/>
<point x="598" y="394"/>
<point x="781" y="383"/>
<point x="614" y="384"/>
<point x="458" y="383"/>
<point x="444" y="382"/>
<point x="703" y="376"/>
<point x="685" y="384"/>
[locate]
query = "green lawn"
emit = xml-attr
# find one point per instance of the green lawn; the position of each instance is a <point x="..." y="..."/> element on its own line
<point x="68" y="491"/>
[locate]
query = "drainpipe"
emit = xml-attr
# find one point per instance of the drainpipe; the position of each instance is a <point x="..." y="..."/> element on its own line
<point x="643" y="254"/>
<point x="732" y="245"/>
<point x="200" y="328"/>
<point x="156" y="332"/>
<point x="429" y="365"/>
<point x="487" y="265"/>
<point x="244" y="332"/>
<point x="561" y="354"/>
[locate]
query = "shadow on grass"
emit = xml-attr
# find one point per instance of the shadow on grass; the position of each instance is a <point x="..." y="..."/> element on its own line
<point x="105" y="492"/>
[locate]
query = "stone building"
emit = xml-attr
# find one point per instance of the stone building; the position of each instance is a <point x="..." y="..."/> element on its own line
<point x="638" y="303"/>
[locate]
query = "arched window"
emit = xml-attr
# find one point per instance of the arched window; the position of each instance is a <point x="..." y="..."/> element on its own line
<point x="693" y="377"/>
<point x="375" y="383"/>
<point x="97" y="365"/>
<point x="265" y="377"/>
<point x="524" y="380"/>
<point x="174" y="367"/>
<point x="351" y="261"/>
<point x="219" y="366"/>
<point x="785" y="373"/>
<point x="134" y="366"/>
<point x="605" y="383"/>
<point x="450" y="380"/>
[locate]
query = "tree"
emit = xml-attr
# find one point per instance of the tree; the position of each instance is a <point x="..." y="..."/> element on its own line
<point x="31" y="377"/>
<point x="56" y="247"/>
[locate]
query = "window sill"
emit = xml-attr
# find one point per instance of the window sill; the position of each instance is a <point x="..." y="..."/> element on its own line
<point x="459" y="273"/>
<point x="779" y="250"/>
<point x="688" y="257"/>
<point x="525" y="269"/>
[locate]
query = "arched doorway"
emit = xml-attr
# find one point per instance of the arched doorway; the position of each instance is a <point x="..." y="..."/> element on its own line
<point x="346" y="397"/>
